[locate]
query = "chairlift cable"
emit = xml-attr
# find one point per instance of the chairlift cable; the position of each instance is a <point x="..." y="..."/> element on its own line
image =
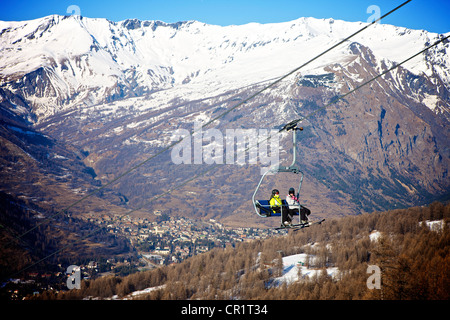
<point x="335" y="100"/>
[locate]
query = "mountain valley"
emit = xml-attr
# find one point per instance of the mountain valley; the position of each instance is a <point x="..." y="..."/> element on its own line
<point x="83" y="101"/>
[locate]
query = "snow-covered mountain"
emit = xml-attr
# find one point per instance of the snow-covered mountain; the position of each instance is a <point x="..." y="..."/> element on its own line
<point x="80" y="61"/>
<point x="117" y="90"/>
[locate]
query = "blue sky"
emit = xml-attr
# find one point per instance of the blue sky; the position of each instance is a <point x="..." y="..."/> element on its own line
<point x="431" y="15"/>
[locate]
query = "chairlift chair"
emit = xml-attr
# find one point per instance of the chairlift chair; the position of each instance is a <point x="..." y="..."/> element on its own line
<point x="262" y="207"/>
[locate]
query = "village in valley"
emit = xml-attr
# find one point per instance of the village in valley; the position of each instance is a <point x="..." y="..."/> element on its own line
<point x="166" y="241"/>
<point x="173" y="239"/>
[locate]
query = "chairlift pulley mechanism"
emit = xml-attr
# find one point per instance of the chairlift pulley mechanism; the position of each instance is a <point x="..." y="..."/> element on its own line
<point x="291" y="126"/>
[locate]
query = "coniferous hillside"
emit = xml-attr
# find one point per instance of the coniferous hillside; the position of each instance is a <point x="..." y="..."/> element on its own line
<point x="410" y="246"/>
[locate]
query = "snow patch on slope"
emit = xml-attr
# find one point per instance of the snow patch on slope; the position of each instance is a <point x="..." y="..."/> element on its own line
<point x="296" y="263"/>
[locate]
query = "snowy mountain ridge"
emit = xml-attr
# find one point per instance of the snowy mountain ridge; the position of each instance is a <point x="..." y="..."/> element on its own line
<point x="90" y="61"/>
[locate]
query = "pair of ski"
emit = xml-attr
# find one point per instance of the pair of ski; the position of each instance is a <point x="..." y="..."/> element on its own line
<point x="299" y="226"/>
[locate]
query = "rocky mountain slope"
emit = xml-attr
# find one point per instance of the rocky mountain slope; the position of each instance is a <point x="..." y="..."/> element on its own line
<point x="113" y="93"/>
